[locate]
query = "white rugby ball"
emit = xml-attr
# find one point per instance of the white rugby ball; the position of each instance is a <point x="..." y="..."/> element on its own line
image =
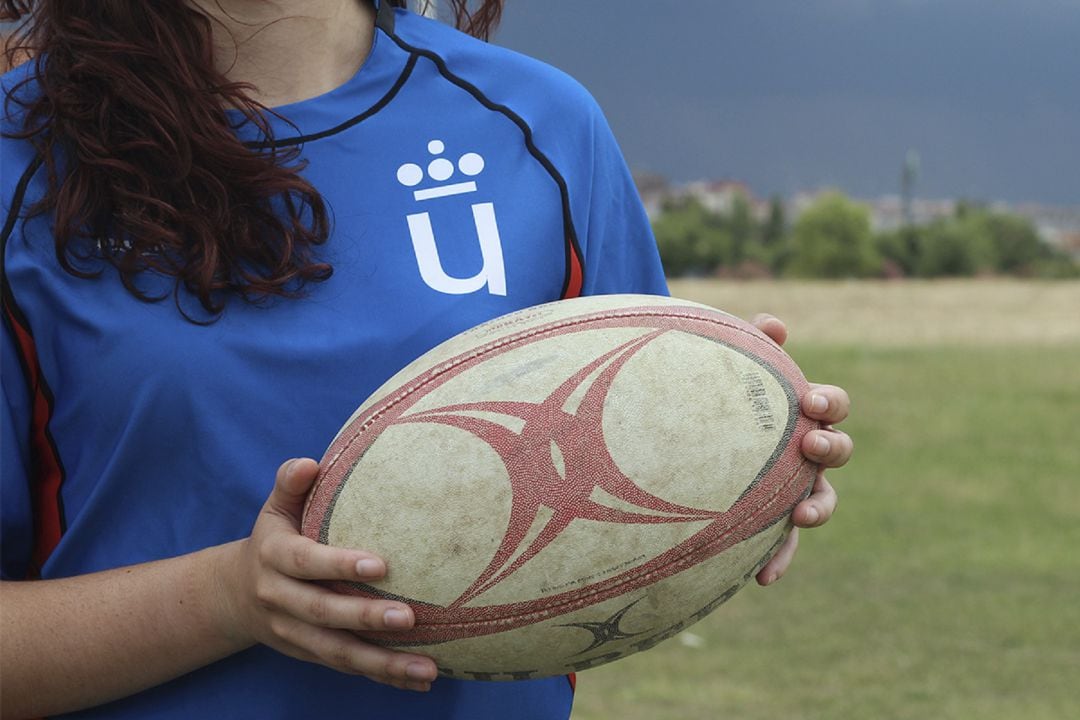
<point x="569" y="484"/>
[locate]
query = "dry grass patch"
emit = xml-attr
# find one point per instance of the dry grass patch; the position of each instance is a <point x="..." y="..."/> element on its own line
<point x="905" y="314"/>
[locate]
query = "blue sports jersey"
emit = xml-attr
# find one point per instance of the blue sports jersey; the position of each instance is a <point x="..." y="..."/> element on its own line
<point x="464" y="181"/>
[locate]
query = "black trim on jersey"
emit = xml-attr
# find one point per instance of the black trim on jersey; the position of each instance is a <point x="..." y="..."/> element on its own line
<point x="383" y="102"/>
<point x="568" y="222"/>
<point x="17" y="200"/>
<point x="13" y="313"/>
<point x="7" y="298"/>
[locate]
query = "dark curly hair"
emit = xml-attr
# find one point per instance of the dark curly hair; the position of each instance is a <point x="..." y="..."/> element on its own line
<point x="129" y="118"/>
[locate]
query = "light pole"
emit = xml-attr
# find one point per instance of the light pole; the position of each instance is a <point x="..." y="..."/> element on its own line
<point x="907" y="186"/>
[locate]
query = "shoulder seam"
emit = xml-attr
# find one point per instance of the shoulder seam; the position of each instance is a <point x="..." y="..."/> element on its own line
<point x="575" y="263"/>
<point x="13" y="217"/>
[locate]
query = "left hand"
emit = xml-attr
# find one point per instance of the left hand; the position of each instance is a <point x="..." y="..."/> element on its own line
<point x="828" y="447"/>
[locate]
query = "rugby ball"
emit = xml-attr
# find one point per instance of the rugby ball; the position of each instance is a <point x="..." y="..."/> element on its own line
<point x="569" y="484"/>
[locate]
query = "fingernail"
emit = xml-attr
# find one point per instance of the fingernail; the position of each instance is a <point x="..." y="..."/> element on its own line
<point x="812" y="515"/>
<point x="818" y="403"/>
<point x="396" y="618"/>
<point x="418" y="671"/>
<point x="368" y="567"/>
<point x="821" y="446"/>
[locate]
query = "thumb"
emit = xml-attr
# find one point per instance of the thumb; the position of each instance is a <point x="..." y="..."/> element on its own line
<point x="291" y="485"/>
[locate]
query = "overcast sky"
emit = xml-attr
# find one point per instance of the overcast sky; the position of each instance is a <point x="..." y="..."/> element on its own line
<point x="798" y="94"/>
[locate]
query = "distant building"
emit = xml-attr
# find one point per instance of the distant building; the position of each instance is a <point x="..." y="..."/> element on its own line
<point x="719" y="196"/>
<point x="887" y="212"/>
<point x="1056" y="226"/>
<point x="654" y="190"/>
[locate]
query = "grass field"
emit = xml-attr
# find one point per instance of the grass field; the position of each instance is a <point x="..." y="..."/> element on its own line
<point x="948" y="584"/>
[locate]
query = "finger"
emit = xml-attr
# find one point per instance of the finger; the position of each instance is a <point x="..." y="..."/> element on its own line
<point x="291" y="485"/>
<point x="320" y="606"/>
<point x="826" y="403"/>
<point x="827" y="447"/>
<point x="300" y="557"/>
<point x="819" y="507"/>
<point x="343" y="651"/>
<point x="778" y="565"/>
<point x="771" y="326"/>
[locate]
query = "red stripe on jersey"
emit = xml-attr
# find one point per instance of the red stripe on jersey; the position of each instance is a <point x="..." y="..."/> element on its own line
<point x="574" y="270"/>
<point x="48" y="474"/>
<point x="572" y="679"/>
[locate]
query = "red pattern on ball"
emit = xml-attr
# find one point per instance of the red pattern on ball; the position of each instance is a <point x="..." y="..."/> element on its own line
<point x="536" y="483"/>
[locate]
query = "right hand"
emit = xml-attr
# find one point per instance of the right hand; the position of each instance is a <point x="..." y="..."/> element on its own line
<point x="275" y="603"/>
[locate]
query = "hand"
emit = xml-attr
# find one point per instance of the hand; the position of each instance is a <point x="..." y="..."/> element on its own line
<point x="275" y="602"/>
<point x="828" y="447"/>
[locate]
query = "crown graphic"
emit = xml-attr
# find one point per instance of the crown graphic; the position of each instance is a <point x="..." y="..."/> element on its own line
<point x="440" y="170"/>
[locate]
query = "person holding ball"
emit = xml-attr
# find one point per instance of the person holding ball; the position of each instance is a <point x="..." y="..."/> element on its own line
<point x="225" y="222"/>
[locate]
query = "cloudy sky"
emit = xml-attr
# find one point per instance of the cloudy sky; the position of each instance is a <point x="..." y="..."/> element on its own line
<point x="797" y="94"/>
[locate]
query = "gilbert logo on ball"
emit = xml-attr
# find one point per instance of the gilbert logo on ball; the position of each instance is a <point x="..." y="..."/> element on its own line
<point x="569" y="484"/>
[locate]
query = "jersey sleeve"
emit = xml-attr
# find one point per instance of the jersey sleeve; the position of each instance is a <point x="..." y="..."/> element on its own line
<point x="16" y="516"/>
<point x="620" y="250"/>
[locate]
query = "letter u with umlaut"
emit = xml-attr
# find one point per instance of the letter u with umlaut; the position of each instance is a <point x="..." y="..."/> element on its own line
<point x="492" y="273"/>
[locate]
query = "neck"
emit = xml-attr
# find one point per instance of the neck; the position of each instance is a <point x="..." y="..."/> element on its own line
<point x="289" y="50"/>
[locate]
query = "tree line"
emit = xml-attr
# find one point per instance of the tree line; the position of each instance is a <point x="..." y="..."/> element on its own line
<point x="834" y="238"/>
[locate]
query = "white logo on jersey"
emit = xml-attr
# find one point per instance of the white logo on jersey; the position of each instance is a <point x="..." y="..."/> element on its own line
<point x="493" y="273"/>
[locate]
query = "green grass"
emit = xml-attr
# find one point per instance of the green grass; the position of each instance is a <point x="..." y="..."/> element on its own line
<point x="948" y="583"/>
